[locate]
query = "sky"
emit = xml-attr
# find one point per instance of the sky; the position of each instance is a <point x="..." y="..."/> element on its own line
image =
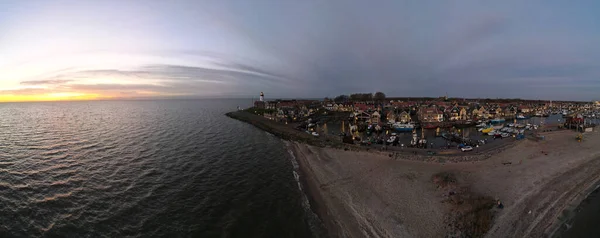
<point x="82" y="50"/>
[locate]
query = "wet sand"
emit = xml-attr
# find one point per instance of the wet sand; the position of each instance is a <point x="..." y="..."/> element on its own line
<point x="364" y="194"/>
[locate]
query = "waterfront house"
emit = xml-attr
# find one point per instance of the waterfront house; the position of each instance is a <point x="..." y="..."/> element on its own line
<point x="391" y="116"/>
<point x="463" y="115"/>
<point x="498" y="112"/>
<point x="482" y="112"/>
<point x="430" y="114"/>
<point x="404" y="116"/>
<point x="510" y="111"/>
<point x="525" y="109"/>
<point x="453" y="113"/>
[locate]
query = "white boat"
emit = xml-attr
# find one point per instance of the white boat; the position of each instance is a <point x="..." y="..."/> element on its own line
<point x="498" y="127"/>
<point x="403" y="126"/>
<point x="491" y="133"/>
<point x="315" y="133"/>
<point x="511" y="124"/>
<point x="391" y="139"/>
<point x="483" y="124"/>
<point x="504" y="135"/>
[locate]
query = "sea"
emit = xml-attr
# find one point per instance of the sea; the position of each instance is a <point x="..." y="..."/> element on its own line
<point x="166" y="168"/>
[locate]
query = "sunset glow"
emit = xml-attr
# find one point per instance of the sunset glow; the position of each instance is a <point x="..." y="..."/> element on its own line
<point x="51" y="97"/>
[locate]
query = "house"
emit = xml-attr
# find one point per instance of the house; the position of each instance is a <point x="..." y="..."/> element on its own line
<point x="362" y="116"/>
<point x="463" y="115"/>
<point x="329" y="106"/>
<point x="482" y="112"/>
<point x="498" y="112"/>
<point x="404" y="117"/>
<point x="391" y="116"/>
<point x="510" y="111"/>
<point x="453" y="113"/>
<point x="430" y="114"/>
<point x="375" y="118"/>
<point x="259" y="104"/>
<point x="271" y="105"/>
<point x="342" y="107"/>
<point x="525" y="109"/>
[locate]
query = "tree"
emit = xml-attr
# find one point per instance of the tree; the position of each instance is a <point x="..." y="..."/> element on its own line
<point x="341" y="99"/>
<point x="367" y="97"/>
<point x="379" y="97"/>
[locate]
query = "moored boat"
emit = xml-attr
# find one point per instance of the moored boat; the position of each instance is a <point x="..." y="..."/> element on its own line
<point x="487" y="130"/>
<point x="498" y="120"/>
<point x="403" y="127"/>
<point x="521" y="117"/>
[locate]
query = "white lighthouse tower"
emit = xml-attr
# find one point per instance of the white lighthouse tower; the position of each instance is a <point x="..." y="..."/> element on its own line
<point x="262" y="97"/>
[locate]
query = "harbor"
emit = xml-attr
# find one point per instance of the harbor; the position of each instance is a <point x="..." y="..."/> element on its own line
<point x="492" y="163"/>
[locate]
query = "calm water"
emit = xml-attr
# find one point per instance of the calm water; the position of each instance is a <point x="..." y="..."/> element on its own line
<point x="144" y="168"/>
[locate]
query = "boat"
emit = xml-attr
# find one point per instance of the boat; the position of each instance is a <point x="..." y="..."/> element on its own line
<point x="521" y="117"/>
<point x="511" y="124"/>
<point x="520" y="126"/>
<point x="487" y="130"/>
<point x="492" y="133"/>
<point x="403" y="127"/>
<point x="498" y="120"/>
<point x="504" y="135"/>
<point x="483" y="124"/>
<point x="497" y="127"/>
<point x="315" y="133"/>
<point x="392" y="139"/>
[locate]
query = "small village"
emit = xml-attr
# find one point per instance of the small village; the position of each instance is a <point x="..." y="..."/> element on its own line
<point x="374" y="119"/>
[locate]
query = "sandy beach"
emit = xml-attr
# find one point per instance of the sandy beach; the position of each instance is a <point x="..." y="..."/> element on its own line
<point x="365" y="194"/>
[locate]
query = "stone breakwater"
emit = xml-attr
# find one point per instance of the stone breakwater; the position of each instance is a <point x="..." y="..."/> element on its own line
<point x="280" y="130"/>
<point x="286" y="132"/>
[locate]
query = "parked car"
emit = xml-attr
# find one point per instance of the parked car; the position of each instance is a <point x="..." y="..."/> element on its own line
<point x="466" y="148"/>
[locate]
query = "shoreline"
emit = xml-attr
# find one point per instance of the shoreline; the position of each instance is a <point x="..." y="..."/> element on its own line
<point x="358" y="193"/>
<point x="310" y="189"/>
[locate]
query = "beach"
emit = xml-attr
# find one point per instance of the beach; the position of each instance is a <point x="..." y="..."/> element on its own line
<point x="368" y="194"/>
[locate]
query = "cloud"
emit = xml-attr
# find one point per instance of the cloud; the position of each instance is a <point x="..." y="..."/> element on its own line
<point x="45" y="82"/>
<point x="222" y="78"/>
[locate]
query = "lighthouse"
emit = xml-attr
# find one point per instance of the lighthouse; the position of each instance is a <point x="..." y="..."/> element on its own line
<point x="262" y="97"/>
